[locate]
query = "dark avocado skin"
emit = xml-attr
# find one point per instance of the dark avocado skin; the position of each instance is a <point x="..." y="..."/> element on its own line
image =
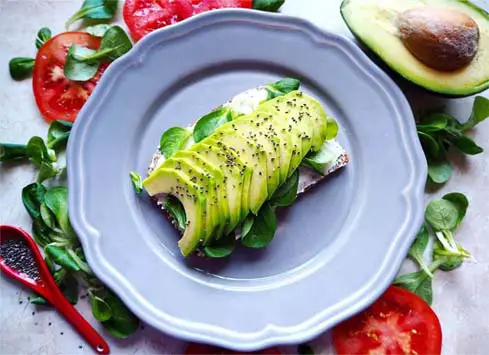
<point x="400" y="76"/>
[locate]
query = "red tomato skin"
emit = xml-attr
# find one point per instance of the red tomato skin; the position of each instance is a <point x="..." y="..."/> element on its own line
<point x="184" y="9"/>
<point x="398" y="322"/>
<point x="145" y="16"/>
<point x="246" y="4"/>
<point x="61" y="99"/>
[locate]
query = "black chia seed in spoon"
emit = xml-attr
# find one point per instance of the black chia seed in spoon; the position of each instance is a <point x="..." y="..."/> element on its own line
<point x="17" y="255"/>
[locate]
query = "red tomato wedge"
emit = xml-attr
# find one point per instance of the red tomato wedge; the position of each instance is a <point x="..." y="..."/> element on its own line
<point x="145" y="16"/>
<point x="399" y="322"/>
<point x="203" y="349"/>
<point x="57" y="97"/>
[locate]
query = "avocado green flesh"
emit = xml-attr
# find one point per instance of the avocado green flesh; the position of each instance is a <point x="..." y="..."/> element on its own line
<point x="217" y="177"/>
<point x="200" y="172"/>
<point x="253" y="157"/>
<point x="242" y="166"/>
<point x="206" y="186"/>
<point x="250" y="127"/>
<point x="178" y="184"/>
<point x="234" y="179"/>
<point x="298" y="110"/>
<point x="291" y="141"/>
<point x="374" y="23"/>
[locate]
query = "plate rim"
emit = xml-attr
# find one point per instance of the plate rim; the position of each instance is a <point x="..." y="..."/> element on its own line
<point x="270" y="335"/>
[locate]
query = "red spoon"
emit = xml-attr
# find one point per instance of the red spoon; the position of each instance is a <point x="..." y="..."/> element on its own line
<point x="38" y="278"/>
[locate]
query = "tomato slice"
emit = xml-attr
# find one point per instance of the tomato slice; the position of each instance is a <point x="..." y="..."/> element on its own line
<point x="203" y="349"/>
<point x="399" y="322"/>
<point x="57" y="97"/>
<point x="145" y="16"/>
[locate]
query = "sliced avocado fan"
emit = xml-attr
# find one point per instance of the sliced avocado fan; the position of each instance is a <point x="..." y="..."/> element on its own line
<point x="233" y="172"/>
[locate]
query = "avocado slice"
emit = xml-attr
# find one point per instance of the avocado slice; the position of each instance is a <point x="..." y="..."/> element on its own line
<point x="376" y="24"/>
<point x="291" y="119"/>
<point x="192" y="165"/>
<point x="236" y="179"/>
<point x="230" y="152"/>
<point x="252" y="156"/>
<point x="251" y="128"/>
<point x="217" y="176"/>
<point x="291" y="137"/>
<point x="304" y="112"/>
<point x="178" y="184"/>
<point x="206" y="185"/>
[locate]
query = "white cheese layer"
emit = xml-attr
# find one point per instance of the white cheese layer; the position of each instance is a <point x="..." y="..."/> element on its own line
<point x="248" y="101"/>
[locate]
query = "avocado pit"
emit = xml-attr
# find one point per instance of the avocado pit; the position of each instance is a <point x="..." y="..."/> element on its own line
<point x="441" y="38"/>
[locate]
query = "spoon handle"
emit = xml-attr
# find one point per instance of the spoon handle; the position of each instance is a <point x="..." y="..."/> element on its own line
<point x="92" y="337"/>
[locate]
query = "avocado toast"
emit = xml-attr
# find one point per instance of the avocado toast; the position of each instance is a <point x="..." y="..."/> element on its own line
<point x="216" y="176"/>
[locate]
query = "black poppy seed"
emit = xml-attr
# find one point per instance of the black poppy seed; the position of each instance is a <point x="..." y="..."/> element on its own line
<point x="19" y="257"/>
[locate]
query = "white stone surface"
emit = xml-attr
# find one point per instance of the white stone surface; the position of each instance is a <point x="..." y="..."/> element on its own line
<point x="461" y="297"/>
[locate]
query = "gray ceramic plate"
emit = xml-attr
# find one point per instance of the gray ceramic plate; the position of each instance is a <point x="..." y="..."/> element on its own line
<point x="336" y="249"/>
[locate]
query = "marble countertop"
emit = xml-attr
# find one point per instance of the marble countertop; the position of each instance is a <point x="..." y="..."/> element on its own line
<point x="461" y="298"/>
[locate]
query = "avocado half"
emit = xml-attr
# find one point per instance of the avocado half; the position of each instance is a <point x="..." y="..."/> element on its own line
<point x="374" y="22"/>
